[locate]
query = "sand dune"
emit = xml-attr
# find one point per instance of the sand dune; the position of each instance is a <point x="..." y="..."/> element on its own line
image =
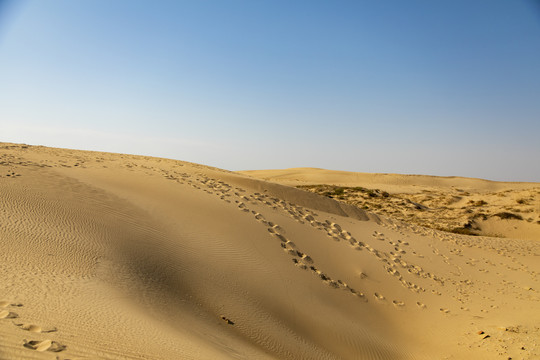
<point x="452" y="204"/>
<point x="112" y="256"/>
<point x="388" y="182"/>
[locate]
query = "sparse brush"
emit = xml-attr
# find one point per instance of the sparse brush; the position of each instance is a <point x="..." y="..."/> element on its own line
<point x="463" y="231"/>
<point x="507" y="215"/>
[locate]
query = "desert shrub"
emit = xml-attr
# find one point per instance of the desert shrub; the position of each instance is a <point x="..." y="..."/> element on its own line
<point x="358" y="188"/>
<point x="334" y="192"/>
<point x="463" y="231"/>
<point x="508" y="215"/>
<point x="480" y="215"/>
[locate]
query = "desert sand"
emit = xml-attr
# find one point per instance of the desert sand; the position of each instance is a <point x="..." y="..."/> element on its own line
<point x="113" y="256"/>
<point x="453" y="204"/>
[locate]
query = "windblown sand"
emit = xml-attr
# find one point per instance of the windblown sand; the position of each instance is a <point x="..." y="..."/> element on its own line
<point x="453" y="204"/>
<point x="111" y="256"/>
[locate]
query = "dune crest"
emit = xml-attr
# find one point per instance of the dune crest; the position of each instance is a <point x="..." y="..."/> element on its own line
<point x="120" y="256"/>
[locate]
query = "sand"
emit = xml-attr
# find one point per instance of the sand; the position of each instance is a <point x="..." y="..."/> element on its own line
<point x="453" y="204"/>
<point x="112" y="256"/>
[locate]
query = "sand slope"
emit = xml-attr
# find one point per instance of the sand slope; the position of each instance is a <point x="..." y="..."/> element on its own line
<point x="453" y="204"/>
<point x="111" y="256"/>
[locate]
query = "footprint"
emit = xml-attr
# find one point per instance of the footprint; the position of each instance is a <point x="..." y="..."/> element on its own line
<point x="227" y="320"/>
<point x="290" y="251"/>
<point x="362" y="275"/>
<point x="359" y="294"/>
<point x="45" y="345"/>
<point x="35" y="328"/>
<point x="421" y="305"/>
<point x="6" y="314"/>
<point x="398" y="303"/>
<point x="30" y="327"/>
<point x="290" y="245"/>
<point x="332" y="283"/>
<point x="300" y="264"/>
<point x="379" y="297"/>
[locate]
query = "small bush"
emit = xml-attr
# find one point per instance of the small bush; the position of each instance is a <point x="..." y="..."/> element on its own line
<point x="480" y="215"/>
<point x="463" y="231"/>
<point x="358" y="188"/>
<point x="508" y="215"/>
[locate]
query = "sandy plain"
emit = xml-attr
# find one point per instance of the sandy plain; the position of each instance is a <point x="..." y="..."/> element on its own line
<point x="114" y="256"/>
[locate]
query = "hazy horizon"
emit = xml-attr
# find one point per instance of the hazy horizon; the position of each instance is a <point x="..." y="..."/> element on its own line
<point x="447" y="88"/>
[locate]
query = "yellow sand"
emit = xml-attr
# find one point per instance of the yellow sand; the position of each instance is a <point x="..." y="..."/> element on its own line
<point x="111" y="256"/>
<point x="455" y="204"/>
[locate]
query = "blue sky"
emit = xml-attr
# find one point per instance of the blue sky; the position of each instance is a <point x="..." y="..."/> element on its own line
<point x="425" y="87"/>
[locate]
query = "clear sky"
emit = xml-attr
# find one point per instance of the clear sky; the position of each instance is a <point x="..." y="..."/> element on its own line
<point x="425" y="87"/>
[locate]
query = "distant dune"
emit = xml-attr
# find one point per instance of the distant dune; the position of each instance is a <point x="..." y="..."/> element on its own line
<point x="388" y="182"/>
<point x="454" y="204"/>
<point x="113" y="256"/>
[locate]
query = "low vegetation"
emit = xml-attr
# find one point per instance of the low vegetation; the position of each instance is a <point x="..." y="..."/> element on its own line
<point x="454" y="210"/>
<point x="508" y="216"/>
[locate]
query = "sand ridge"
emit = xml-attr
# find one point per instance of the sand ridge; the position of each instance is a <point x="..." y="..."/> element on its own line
<point x="454" y="204"/>
<point x="120" y="256"/>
